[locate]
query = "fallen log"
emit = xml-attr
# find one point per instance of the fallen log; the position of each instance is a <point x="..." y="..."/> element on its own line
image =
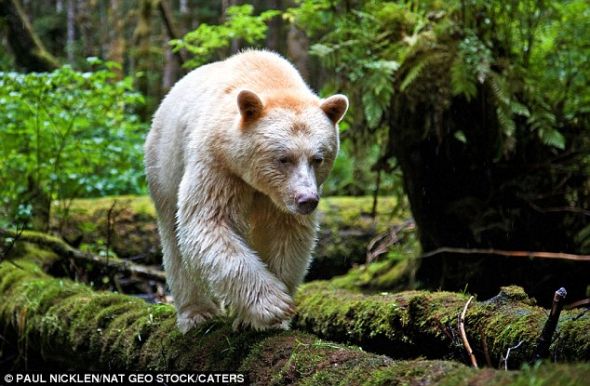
<point x="61" y="248"/>
<point x="68" y="325"/>
<point x="414" y="323"/>
<point x="130" y="221"/>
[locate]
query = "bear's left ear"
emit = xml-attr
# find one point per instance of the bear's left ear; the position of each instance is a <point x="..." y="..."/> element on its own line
<point x="335" y="107"/>
<point x="250" y="106"/>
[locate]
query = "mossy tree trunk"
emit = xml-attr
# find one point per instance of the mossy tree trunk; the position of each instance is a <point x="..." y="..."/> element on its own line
<point x="483" y="191"/>
<point x="61" y="323"/>
<point x="29" y="52"/>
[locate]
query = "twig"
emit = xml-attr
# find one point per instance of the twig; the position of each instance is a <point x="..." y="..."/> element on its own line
<point x="109" y="219"/>
<point x="486" y="350"/>
<point x="501" y="252"/>
<point x="579" y="303"/>
<point x="505" y="359"/>
<point x="542" y="350"/>
<point x="464" y="335"/>
<point x="381" y="243"/>
<point x="571" y="209"/>
<point x="63" y="249"/>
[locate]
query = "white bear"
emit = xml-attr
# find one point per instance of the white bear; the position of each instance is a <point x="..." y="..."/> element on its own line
<point x="235" y="159"/>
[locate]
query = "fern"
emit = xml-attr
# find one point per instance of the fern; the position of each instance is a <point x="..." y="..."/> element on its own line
<point x="553" y="138"/>
<point x="500" y="89"/>
<point x="505" y="120"/>
<point x="519" y="109"/>
<point x="426" y="59"/>
<point x="583" y="239"/>
<point x="461" y="81"/>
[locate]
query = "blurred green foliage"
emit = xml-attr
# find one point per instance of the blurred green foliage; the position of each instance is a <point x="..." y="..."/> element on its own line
<point x="207" y="42"/>
<point x="534" y="54"/>
<point x="67" y="134"/>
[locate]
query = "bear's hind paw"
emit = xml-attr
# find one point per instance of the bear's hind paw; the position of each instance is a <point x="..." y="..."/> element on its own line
<point x="240" y="325"/>
<point x="189" y="319"/>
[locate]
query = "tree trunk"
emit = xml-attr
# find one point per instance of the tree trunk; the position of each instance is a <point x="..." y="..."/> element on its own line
<point x="117" y="44"/>
<point x="298" y="50"/>
<point x="28" y="50"/>
<point x="40" y="202"/>
<point x="225" y="4"/>
<point x="275" y="37"/>
<point x="141" y="41"/>
<point x="71" y="31"/>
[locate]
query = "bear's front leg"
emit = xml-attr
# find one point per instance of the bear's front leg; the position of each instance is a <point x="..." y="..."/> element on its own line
<point x="211" y="224"/>
<point x="285" y="242"/>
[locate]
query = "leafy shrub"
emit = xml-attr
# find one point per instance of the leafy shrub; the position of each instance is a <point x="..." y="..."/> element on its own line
<point x="67" y="134"/>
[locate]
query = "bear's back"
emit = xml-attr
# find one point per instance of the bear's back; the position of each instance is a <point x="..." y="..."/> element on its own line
<point x="261" y="71"/>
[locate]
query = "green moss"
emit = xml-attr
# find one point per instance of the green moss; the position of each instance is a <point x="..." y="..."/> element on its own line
<point x="350" y="317"/>
<point x="295" y="358"/>
<point x="353" y="212"/>
<point x="386" y="275"/>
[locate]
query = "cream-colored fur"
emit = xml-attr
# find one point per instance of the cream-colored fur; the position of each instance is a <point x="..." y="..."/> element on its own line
<point x="235" y="157"/>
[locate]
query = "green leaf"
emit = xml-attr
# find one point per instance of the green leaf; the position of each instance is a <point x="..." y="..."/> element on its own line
<point x="552" y="137"/>
<point x="460" y="136"/>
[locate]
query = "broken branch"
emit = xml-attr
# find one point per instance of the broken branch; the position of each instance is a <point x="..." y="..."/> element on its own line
<point x="544" y="341"/>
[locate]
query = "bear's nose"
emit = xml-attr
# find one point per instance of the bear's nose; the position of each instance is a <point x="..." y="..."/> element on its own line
<point x="306" y="203"/>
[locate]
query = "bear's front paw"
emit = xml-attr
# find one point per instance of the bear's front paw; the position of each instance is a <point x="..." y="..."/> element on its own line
<point x="192" y="316"/>
<point x="271" y="308"/>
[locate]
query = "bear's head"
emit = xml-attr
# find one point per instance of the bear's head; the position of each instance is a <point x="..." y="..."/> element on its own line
<point x="288" y="144"/>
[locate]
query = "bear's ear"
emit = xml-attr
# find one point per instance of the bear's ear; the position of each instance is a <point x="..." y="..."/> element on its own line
<point x="250" y="106"/>
<point x="335" y="107"/>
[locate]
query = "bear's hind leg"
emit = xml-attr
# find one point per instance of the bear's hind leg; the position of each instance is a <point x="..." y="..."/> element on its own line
<point x="192" y="298"/>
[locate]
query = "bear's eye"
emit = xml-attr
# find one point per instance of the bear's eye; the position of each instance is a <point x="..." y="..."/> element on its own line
<point x="318" y="160"/>
<point x="284" y="160"/>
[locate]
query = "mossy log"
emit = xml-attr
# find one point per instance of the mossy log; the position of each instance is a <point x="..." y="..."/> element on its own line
<point x="62" y="249"/>
<point x="346" y="229"/>
<point x="412" y="323"/>
<point x="68" y="324"/>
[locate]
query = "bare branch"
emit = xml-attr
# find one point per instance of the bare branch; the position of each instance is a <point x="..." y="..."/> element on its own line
<point x="501" y="252"/>
<point x="464" y="335"/>
<point x="505" y="359"/>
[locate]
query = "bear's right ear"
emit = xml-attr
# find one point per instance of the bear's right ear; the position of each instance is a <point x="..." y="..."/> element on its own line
<point x="335" y="107"/>
<point x="250" y="106"/>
